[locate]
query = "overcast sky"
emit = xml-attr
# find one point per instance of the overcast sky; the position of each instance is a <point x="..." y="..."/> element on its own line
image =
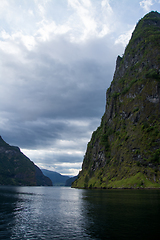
<point x="57" y="59"/>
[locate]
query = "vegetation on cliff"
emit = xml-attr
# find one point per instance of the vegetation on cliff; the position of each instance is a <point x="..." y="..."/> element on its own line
<point x="17" y="169"/>
<point x="124" y="151"/>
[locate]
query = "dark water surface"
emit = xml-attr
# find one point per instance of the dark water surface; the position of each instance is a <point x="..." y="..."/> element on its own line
<point x="65" y="213"/>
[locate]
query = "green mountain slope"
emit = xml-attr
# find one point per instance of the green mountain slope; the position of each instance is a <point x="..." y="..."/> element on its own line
<point x="17" y="169"/>
<point x="124" y="152"/>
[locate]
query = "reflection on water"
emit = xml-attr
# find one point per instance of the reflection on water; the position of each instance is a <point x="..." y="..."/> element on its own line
<point x="65" y="213"/>
<point x="123" y="214"/>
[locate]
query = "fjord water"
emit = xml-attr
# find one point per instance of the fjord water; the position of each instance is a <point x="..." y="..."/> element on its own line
<point x="65" y="213"/>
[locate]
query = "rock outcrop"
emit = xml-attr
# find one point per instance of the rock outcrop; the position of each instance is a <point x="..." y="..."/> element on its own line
<point x="124" y="152"/>
<point x="16" y="169"/>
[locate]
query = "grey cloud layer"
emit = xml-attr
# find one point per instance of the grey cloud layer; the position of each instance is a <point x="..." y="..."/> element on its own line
<point x="53" y="82"/>
<point x="57" y="60"/>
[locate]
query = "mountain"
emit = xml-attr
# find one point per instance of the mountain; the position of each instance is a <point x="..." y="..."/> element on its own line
<point x="17" y="169"/>
<point x="56" y="178"/>
<point x="70" y="181"/>
<point x="124" y="151"/>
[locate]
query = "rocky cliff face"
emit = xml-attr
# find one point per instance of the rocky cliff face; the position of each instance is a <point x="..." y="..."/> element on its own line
<point x="125" y="150"/>
<point x="17" y="169"/>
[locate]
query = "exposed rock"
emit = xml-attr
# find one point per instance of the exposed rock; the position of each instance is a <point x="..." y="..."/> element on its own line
<point x="125" y="150"/>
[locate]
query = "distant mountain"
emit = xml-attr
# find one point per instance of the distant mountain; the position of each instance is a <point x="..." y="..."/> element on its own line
<point x="56" y="178"/>
<point x="17" y="169"/>
<point x="70" y="181"/>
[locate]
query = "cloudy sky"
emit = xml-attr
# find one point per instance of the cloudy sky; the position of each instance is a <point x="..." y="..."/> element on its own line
<point x="57" y="59"/>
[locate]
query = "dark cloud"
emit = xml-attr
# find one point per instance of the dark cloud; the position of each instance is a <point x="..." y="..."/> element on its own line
<point x="54" y="97"/>
<point x="58" y="80"/>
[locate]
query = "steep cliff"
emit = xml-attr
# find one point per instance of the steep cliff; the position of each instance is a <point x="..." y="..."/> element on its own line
<point x="124" y="151"/>
<point x="17" y="169"/>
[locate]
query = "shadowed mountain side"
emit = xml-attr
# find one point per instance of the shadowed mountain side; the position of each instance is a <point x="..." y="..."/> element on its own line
<point x="124" y="151"/>
<point x="70" y="181"/>
<point x="56" y="178"/>
<point x="17" y="169"/>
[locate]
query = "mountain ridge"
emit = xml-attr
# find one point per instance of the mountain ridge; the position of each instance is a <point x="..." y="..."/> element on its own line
<point x="18" y="170"/>
<point x="124" y="151"/>
<point x="59" y="179"/>
<point x="56" y="178"/>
